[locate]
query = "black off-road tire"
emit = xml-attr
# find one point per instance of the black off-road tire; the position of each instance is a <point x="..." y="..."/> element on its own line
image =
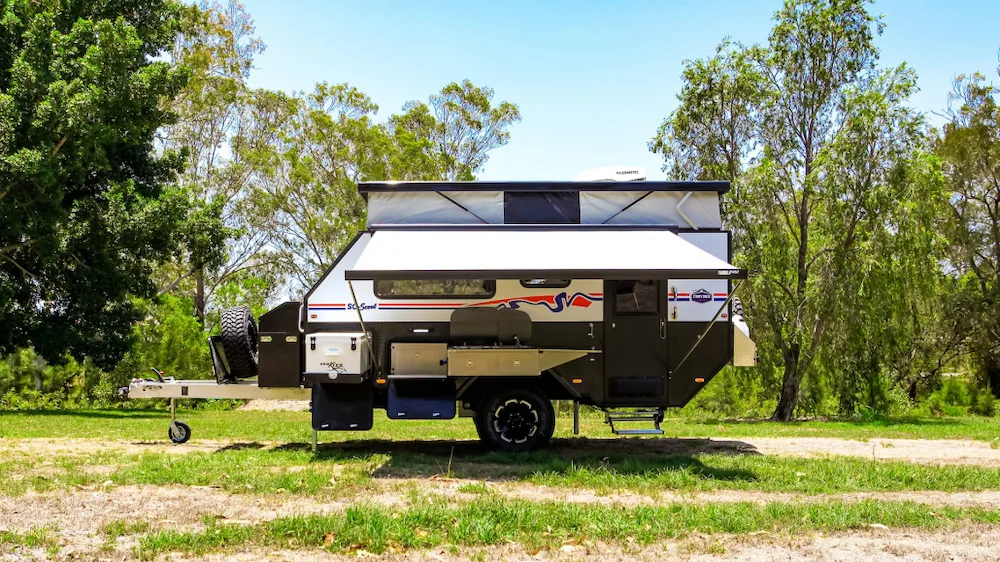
<point x="239" y="342"/>
<point x="516" y="420"/>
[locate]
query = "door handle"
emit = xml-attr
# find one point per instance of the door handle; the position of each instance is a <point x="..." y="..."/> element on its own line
<point x="663" y="328"/>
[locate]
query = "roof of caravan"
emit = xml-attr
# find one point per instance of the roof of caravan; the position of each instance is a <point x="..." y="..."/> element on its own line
<point x="366" y="187"/>
<point x="519" y="254"/>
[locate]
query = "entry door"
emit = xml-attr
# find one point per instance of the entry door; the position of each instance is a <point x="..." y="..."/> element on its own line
<point x="635" y="351"/>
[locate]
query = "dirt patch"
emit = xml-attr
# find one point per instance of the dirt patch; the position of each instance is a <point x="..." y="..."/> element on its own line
<point x="40" y="447"/>
<point x="925" y="451"/>
<point x="165" y="506"/>
<point x="276" y="405"/>
<point x="453" y="489"/>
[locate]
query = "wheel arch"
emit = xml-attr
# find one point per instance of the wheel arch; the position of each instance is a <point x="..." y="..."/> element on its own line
<point x="549" y="382"/>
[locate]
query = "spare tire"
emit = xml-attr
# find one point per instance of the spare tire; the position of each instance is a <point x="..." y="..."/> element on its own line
<point x="239" y="342"/>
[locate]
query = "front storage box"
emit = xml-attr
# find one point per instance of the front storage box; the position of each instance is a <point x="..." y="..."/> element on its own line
<point x="280" y="355"/>
<point x="337" y="353"/>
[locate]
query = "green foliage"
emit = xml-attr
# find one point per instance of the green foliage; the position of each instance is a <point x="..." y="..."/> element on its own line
<point x="958" y="396"/>
<point x="305" y="200"/>
<point x="718" y="101"/>
<point x="27" y="381"/>
<point x="84" y="196"/>
<point x="217" y="132"/>
<point x="733" y="393"/>
<point x="170" y="339"/>
<point x="834" y="209"/>
<point x="969" y="149"/>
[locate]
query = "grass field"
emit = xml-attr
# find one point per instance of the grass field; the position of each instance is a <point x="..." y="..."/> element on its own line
<point x="294" y="427"/>
<point x="95" y="484"/>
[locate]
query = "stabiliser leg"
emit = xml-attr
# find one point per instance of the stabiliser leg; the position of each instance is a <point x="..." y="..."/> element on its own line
<point x="576" y="417"/>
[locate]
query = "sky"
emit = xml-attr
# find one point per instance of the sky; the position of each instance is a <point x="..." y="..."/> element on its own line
<point x="593" y="80"/>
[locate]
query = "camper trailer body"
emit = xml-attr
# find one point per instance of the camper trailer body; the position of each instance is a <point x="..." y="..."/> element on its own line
<point x="491" y="299"/>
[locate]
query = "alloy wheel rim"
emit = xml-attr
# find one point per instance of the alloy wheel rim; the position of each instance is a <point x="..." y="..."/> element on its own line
<point x="516" y="421"/>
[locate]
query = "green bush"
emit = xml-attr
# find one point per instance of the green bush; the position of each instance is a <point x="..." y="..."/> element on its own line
<point x="983" y="403"/>
<point x="959" y="397"/>
<point x="170" y="339"/>
<point x="955" y="392"/>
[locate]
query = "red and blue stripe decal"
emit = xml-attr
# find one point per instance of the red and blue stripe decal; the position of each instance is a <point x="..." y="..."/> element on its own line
<point x="328" y="306"/>
<point x="555" y="303"/>
<point x="418" y="305"/>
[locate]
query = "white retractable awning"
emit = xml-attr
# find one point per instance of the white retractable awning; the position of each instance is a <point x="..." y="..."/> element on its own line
<point x="459" y="253"/>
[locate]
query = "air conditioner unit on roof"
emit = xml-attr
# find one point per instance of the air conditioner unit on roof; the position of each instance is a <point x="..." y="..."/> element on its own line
<point x="613" y="173"/>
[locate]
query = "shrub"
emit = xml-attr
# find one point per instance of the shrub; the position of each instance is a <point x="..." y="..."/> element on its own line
<point x="983" y="403"/>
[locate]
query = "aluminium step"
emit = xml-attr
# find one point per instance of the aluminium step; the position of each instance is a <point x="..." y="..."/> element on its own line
<point x="651" y="416"/>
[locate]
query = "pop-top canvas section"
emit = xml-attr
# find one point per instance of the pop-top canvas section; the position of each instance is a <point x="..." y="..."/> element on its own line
<point x="685" y="205"/>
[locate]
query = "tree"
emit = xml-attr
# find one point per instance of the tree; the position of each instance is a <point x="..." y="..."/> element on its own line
<point x="86" y="202"/>
<point x="816" y="139"/>
<point x="969" y="149"/>
<point x="466" y="126"/>
<point x="328" y="140"/>
<point x="713" y="131"/>
<point x="308" y="203"/>
<point x="218" y="44"/>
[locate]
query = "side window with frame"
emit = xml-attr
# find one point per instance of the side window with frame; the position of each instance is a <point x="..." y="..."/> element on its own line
<point x="545" y="283"/>
<point x="636" y="297"/>
<point x="435" y="288"/>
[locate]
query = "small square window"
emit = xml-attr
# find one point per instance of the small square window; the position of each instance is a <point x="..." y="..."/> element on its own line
<point x="432" y="288"/>
<point x="636" y="297"/>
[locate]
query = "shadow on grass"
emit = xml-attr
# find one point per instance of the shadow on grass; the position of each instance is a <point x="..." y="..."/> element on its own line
<point x="471" y="459"/>
<point x="99" y="414"/>
<point x="246" y="446"/>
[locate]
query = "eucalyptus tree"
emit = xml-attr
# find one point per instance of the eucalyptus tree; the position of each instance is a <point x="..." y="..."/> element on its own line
<point x="218" y="44"/>
<point x="329" y="140"/>
<point x="308" y="204"/>
<point x="462" y="126"/>
<point x="714" y="129"/>
<point x="969" y="149"/>
<point x="816" y="138"/>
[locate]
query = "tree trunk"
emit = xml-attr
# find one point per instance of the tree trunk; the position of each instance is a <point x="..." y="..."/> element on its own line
<point x="39" y="367"/>
<point x="789" y="389"/>
<point x="993" y="373"/>
<point x="199" y="296"/>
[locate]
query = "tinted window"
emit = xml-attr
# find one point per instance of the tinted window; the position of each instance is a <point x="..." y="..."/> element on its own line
<point x="541" y="207"/>
<point x="638" y="297"/>
<point x="545" y="283"/>
<point x="430" y="288"/>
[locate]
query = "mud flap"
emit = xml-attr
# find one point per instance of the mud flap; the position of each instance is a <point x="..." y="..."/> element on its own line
<point x="342" y="407"/>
